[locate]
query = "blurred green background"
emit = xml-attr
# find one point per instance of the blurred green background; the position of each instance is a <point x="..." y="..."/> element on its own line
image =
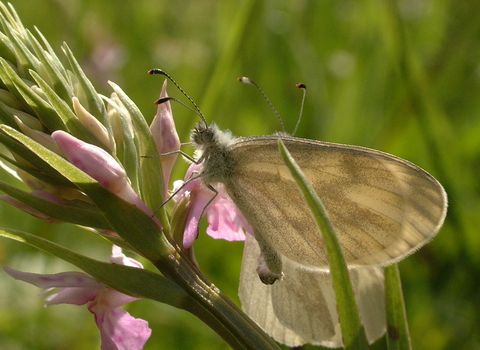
<point x="398" y="76"/>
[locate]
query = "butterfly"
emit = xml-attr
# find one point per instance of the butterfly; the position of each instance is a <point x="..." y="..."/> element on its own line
<point x="382" y="207"/>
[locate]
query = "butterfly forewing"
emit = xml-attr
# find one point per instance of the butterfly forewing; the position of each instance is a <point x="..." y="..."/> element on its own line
<point x="382" y="207"/>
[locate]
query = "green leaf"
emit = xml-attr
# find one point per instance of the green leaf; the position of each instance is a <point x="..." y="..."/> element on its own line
<point x="136" y="282"/>
<point x="353" y="332"/>
<point x="95" y="104"/>
<point x="7" y="117"/>
<point x="25" y="59"/>
<point x="151" y="174"/>
<point x="74" y="211"/>
<point x="6" y="49"/>
<point x="73" y="124"/>
<point x="50" y="65"/>
<point x="40" y="168"/>
<point x="127" y="148"/>
<point x="131" y="223"/>
<point x="55" y="180"/>
<point x="398" y="335"/>
<point x="32" y="103"/>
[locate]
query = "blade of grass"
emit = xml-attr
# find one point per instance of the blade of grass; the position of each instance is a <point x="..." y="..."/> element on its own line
<point x="398" y="335"/>
<point x="353" y="332"/>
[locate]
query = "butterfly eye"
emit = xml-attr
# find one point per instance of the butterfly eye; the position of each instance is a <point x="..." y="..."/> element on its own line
<point x="207" y="135"/>
<point x="202" y="134"/>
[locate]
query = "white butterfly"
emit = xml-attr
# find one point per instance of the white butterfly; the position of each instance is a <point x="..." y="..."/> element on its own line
<point x="383" y="208"/>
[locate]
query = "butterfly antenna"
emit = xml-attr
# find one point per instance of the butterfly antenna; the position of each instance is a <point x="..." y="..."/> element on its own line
<point x="157" y="71"/>
<point x="246" y="80"/>
<point x="304" y="88"/>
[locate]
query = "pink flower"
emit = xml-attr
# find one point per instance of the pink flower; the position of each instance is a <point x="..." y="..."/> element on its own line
<point x="118" y="330"/>
<point x="225" y="221"/>
<point x="165" y="137"/>
<point x="100" y="165"/>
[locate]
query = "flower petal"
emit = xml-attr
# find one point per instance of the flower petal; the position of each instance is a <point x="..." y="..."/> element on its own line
<point x="72" y="295"/>
<point x="121" y="259"/>
<point x="59" y="280"/>
<point x="226" y="221"/>
<point x="118" y="329"/>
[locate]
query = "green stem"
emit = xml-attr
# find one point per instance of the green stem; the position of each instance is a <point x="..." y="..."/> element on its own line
<point x="398" y="335"/>
<point x="214" y="308"/>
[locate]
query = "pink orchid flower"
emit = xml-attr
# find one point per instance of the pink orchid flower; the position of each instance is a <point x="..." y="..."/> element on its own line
<point x="118" y="330"/>
<point x="225" y="221"/>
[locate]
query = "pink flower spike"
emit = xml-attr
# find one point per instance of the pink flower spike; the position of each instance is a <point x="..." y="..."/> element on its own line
<point x="165" y="136"/>
<point x="118" y="330"/>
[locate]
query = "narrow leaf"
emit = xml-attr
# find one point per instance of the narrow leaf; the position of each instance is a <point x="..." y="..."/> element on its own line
<point x="59" y="83"/>
<point x="95" y="103"/>
<point x="63" y="110"/>
<point x="150" y="168"/>
<point x="29" y="99"/>
<point x="74" y="211"/>
<point x="128" y="221"/>
<point x="136" y="282"/>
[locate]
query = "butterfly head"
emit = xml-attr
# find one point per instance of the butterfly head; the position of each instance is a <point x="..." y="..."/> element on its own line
<point x="202" y="136"/>
<point x="206" y="136"/>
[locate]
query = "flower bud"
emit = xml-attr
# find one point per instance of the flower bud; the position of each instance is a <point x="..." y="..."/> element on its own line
<point x="93" y="125"/>
<point x="98" y="164"/>
<point x="165" y="136"/>
<point x="38" y="136"/>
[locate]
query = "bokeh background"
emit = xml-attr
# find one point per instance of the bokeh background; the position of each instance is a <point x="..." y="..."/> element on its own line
<point x="399" y="76"/>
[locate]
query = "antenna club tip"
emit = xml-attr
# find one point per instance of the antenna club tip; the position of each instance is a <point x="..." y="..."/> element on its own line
<point x="301" y="86"/>
<point x="156" y="71"/>
<point x="245" y="80"/>
<point x="163" y="100"/>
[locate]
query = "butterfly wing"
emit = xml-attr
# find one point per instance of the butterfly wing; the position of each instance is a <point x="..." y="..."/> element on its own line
<point x="301" y="307"/>
<point x="382" y="207"/>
